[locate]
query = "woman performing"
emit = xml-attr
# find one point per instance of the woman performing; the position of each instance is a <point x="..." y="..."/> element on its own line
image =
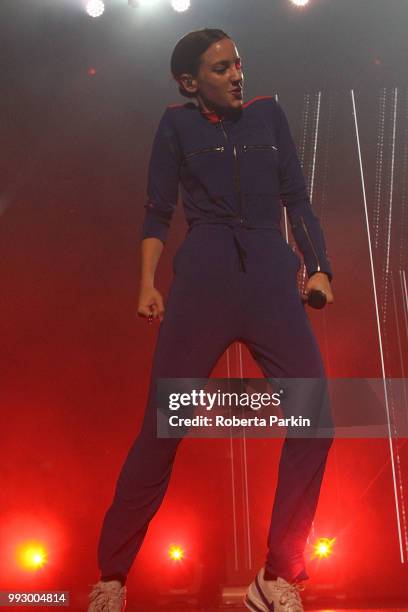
<point x="235" y="278"/>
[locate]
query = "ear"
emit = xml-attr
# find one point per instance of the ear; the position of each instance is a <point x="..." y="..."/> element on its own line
<point x="188" y="83"/>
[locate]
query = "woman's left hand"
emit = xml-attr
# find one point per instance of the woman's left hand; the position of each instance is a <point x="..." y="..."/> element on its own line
<point x="320" y="282"/>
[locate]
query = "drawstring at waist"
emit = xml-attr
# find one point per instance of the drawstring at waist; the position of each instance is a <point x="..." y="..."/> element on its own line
<point x="242" y="253"/>
<point x="236" y="228"/>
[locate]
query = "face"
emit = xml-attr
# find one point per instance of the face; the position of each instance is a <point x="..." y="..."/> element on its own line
<point x="220" y="73"/>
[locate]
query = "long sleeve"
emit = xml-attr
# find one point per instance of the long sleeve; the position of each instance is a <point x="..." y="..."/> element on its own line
<point x="305" y="224"/>
<point x="162" y="181"/>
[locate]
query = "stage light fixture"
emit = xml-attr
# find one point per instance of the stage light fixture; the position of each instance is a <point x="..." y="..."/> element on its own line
<point x="176" y="553"/>
<point x="300" y="2"/>
<point x="181" y="575"/>
<point x="95" y="8"/>
<point x="180" y="5"/>
<point x="31" y="555"/>
<point x="323" y="547"/>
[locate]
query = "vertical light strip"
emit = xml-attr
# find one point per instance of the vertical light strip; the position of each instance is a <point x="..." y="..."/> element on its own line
<point x="387" y="261"/>
<point x="324" y="189"/>
<point x="245" y="464"/>
<point x="398" y="328"/>
<point x="234" y="503"/>
<point x="379" y="168"/>
<point x="311" y="189"/>
<point x="403" y="248"/>
<point x="389" y="219"/>
<point x="405" y="299"/>
<point x="379" y="332"/>
<point x="403" y="512"/>
<point x="302" y="148"/>
<point x="319" y="95"/>
<point x="401" y="260"/>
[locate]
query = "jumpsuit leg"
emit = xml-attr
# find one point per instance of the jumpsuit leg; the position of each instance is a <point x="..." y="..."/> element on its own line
<point x="196" y="330"/>
<point x="203" y="316"/>
<point x="281" y="340"/>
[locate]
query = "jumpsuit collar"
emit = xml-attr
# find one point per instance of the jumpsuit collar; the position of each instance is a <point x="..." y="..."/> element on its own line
<point x="214" y="117"/>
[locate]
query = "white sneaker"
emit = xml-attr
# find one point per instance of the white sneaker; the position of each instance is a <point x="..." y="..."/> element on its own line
<point x="109" y="596"/>
<point x="273" y="595"/>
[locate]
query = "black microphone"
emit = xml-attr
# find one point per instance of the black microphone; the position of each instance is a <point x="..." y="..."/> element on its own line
<point x="315" y="298"/>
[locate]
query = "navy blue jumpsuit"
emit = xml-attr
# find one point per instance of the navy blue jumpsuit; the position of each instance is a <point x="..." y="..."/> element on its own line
<point x="235" y="278"/>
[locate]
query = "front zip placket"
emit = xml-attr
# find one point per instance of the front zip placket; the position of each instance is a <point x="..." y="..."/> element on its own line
<point x="237" y="184"/>
<point x="237" y="181"/>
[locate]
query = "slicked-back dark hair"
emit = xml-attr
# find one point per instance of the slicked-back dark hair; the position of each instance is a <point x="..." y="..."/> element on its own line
<point x="186" y="54"/>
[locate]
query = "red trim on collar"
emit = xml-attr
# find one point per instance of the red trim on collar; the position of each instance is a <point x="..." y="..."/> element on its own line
<point x="212" y="116"/>
<point x="255" y="99"/>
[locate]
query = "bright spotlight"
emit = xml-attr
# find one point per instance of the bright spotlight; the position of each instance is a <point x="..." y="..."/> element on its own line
<point x="323" y="547"/>
<point x="300" y="2"/>
<point x="176" y="553"/>
<point x="180" y="5"/>
<point x="95" y="8"/>
<point x="31" y="556"/>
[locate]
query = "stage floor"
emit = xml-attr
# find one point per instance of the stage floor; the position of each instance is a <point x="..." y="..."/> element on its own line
<point x="130" y="608"/>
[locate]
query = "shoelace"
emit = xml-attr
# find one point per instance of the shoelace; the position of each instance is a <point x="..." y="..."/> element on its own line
<point x="290" y="597"/>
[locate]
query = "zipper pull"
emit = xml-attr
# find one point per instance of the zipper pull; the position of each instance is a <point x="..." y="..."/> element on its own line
<point x="223" y="130"/>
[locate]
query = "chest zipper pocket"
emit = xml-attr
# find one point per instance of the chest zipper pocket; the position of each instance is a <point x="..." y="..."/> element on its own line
<point x="204" y="150"/>
<point x="246" y="148"/>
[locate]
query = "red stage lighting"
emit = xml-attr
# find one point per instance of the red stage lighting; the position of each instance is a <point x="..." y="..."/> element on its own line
<point x="32" y="547"/>
<point x="31" y="555"/>
<point x="176" y="553"/>
<point x="323" y="547"/>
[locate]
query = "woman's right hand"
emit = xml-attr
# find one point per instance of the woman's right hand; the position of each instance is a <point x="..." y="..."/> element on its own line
<point x="150" y="303"/>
